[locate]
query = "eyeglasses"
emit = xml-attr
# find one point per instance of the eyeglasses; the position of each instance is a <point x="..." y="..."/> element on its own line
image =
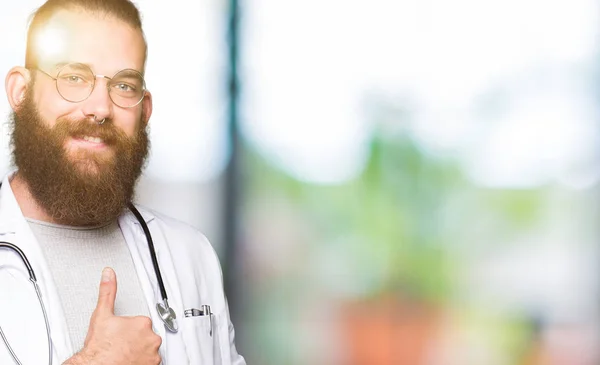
<point x="75" y="83"/>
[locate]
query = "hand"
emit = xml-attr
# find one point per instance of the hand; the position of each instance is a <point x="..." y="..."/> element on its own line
<point x="117" y="340"/>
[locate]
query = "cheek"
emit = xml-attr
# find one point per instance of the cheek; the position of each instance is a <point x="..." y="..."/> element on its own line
<point x="129" y="121"/>
<point x="52" y="106"/>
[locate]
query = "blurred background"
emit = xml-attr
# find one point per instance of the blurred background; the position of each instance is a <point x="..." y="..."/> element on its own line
<point x="385" y="181"/>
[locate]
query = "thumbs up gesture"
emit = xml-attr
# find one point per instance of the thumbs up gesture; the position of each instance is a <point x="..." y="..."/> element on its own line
<point x="117" y="340"/>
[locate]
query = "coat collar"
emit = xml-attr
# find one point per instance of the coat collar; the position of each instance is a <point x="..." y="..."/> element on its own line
<point x="128" y="217"/>
<point x="8" y="220"/>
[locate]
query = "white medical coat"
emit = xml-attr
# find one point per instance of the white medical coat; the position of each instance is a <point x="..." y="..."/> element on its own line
<point x="190" y="270"/>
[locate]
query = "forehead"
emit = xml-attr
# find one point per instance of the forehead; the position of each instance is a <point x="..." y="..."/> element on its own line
<point x="103" y="42"/>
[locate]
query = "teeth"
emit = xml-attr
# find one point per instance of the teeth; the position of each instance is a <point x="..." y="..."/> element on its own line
<point x="92" y="139"/>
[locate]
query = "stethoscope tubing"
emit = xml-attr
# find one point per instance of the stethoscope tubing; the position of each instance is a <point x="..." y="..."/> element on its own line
<point x="161" y="284"/>
<point x="32" y="278"/>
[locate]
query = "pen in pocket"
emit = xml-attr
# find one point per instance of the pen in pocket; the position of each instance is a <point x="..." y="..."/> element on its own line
<point x="203" y="311"/>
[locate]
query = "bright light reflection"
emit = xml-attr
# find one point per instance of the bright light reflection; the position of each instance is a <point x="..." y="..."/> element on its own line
<point x="186" y="78"/>
<point x="50" y="42"/>
<point x="534" y="144"/>
<point x="305" y="83"/>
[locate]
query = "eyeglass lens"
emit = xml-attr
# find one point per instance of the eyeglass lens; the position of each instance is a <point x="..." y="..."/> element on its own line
<point x="75" y="82"/>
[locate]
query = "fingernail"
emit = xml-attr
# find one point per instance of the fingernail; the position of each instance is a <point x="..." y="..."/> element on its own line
<point x="106" y="274"/>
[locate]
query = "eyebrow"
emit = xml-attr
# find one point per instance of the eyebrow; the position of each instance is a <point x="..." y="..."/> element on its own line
<point x="57" y="66"/>
<point x="60" y="65"/>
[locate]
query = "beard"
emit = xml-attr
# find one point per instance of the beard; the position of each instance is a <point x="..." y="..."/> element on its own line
<point x="79" y="187"/>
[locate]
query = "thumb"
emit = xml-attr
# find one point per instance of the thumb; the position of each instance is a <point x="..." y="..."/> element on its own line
<point x="107" y="292"/>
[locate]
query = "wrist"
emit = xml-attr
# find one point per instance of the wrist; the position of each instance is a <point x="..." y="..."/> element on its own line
<point x="83" y="357"/>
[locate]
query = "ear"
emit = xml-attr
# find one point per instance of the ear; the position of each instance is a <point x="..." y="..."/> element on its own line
<point x="147" y="107"/>
<point x="16" y="84"/>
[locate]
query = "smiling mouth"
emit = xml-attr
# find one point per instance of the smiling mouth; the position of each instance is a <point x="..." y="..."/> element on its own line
<point x="92" y="139"/>
<point x="89" y="142"/>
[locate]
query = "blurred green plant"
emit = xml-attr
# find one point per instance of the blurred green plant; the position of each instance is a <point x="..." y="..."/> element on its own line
<point x="387" y="221"/>
<point x="397" y="224"/>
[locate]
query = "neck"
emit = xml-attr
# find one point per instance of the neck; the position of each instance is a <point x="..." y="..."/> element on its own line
<point x="29" y="206"/>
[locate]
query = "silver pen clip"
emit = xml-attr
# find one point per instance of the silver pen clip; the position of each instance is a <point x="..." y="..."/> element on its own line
<point x="203" y="311"/>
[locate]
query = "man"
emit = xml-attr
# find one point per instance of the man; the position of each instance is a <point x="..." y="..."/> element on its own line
<point x="79" y="141"/>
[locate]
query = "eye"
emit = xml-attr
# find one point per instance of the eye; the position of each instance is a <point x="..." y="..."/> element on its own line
<point x="73" y="79"/>
<point x="123" y="87"/>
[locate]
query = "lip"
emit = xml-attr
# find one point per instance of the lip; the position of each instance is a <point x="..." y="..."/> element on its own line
<point x="82" y="143"/>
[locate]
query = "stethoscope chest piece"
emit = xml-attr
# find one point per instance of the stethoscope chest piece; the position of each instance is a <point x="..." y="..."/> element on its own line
<point x="167" y="314"/>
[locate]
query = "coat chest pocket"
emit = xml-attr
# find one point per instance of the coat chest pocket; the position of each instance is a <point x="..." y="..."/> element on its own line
<point x="202" y="339"/>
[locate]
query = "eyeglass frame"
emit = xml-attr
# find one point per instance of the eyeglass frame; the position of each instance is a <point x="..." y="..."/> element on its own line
<point x="94" y="84"/>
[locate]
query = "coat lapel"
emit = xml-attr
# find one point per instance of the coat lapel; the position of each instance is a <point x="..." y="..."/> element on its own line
<point x="15" y="229"/>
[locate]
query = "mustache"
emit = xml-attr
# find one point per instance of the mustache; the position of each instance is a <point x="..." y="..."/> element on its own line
<point x="80" y="128"/>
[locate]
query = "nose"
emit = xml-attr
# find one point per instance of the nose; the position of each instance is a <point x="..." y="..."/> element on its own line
<point x="98" y="105"/>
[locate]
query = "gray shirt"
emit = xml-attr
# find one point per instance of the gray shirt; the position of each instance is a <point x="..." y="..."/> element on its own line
<point x="76" y="257"/>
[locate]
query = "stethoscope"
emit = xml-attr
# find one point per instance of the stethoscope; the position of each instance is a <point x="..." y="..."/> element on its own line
<point x="166" y="313"/>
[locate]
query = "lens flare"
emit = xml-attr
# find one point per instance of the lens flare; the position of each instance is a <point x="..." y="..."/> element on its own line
<point x="50" y="42"/>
